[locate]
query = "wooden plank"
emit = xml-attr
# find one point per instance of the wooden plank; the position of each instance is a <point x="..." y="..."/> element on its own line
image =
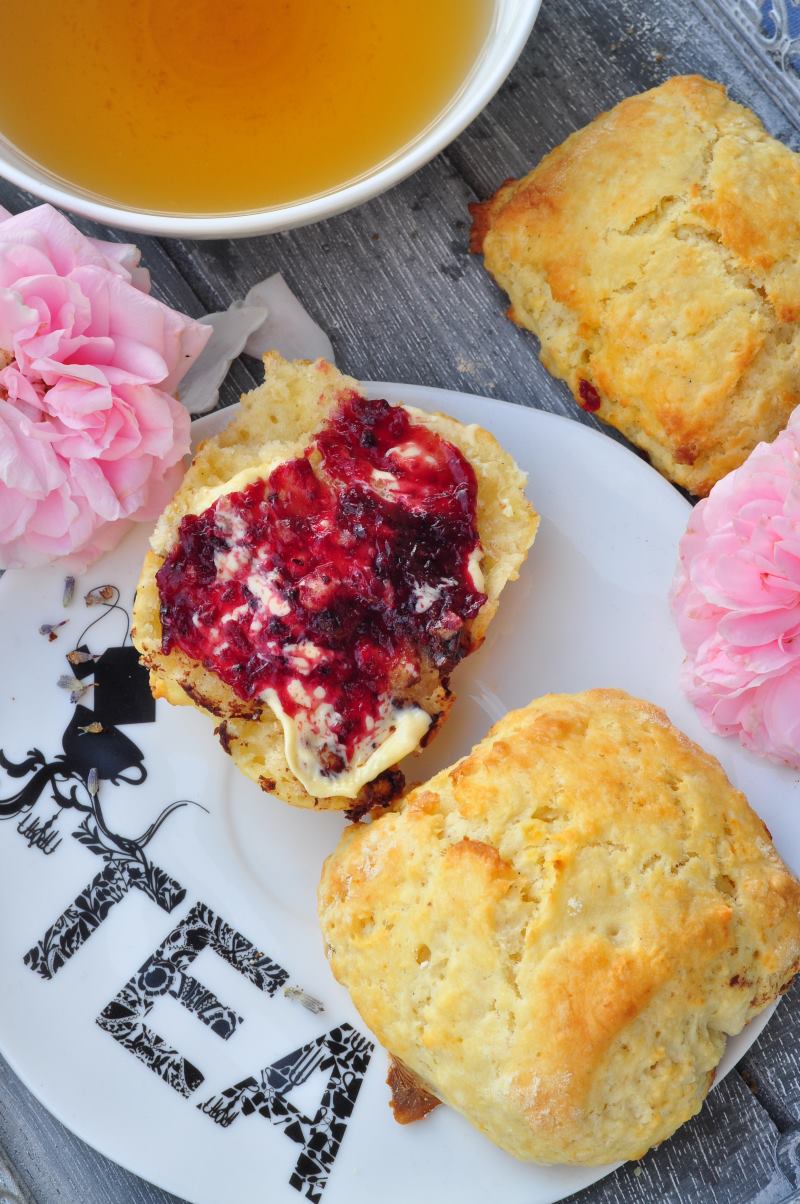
<point x="11" y="1190"/>
<point x="772" y="1067"/>
<point x="397" y="291"/>
<point x="584" y="57"/>
<point x="51" y="1165"/>
<point x="726" y="1155"/>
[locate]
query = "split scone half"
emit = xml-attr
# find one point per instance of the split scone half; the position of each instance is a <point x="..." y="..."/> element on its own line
<point x="557" y="934"/>
<point x="656" y="255"/>
<point x="325" y="564"/>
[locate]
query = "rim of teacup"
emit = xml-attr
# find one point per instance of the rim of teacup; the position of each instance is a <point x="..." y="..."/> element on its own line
<point x="511" y="28"/>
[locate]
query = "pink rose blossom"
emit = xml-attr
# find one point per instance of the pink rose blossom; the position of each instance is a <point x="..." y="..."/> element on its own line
<point x="736" y="600"/>
<point x="90" y="434"/>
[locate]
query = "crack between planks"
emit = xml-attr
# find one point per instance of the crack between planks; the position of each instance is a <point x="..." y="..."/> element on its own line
<point x="182" y="265"/>
<point x="780" y="1116"/>
<point x="11" y="1190"/>
<point x="461" y="166"/>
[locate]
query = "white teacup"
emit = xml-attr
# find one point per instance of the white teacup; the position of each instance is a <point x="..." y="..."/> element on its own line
<point x="511" y="25"/>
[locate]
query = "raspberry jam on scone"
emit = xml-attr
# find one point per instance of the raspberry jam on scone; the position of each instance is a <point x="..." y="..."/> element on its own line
<point x="331" y="586"/>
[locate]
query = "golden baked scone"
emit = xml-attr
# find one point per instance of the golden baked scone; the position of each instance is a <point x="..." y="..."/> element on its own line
<point x="656" y="255"/>
<point x="276" y="424"/>
<point x="557" y="933"/>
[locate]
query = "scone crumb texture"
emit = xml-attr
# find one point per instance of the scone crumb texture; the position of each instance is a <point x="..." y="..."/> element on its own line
<point x="656" y="255"/>
<point x="558" y="933"/>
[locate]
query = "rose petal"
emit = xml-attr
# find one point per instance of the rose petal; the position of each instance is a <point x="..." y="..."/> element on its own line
<point x="736" y="601"/>
<point x="199" y="390"/>
<point x="289" y="328"/>
<point x="89" y="433"/>
<point x="15" y="318"/>
<point x="28" y="462"/>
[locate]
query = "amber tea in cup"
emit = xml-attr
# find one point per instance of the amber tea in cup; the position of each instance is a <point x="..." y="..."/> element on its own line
<point x="219" y="106"/>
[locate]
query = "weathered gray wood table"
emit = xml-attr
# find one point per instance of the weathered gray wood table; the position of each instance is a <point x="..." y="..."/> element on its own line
<point x="402" y="300"/>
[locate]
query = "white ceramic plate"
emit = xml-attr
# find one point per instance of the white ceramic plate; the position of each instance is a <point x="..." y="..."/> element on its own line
<point x="255" y="1097"/>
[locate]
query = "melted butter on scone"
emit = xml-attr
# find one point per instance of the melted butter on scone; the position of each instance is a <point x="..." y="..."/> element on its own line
<point x="283" y="415"/>
<point x="309" y="738"/>
<point x="162" y="539"/>
<point x="474" y="568"/>
<point x="326" y="582"/>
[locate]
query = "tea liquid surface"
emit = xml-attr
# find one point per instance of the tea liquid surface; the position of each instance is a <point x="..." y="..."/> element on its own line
<point x="223" y="105"/>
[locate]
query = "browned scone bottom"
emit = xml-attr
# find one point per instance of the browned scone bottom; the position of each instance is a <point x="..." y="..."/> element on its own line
<point x="409" y="1099"/>
<point x="557" y="934"/>
<point x="656" y="255"/>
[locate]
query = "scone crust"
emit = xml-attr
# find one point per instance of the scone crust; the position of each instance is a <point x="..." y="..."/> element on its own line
<point x="276" y="421"/>
<point x="557" y="933"/>
<point x="656" y="255"/>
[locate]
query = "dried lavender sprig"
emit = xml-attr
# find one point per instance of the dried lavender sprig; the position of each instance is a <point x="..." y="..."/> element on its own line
<point x="298" y="995"/>
<point x="51" y="628"/>
<point x="67" y="682"/>
<point x="69" y="591"/>
<point x="76" y="687"/>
